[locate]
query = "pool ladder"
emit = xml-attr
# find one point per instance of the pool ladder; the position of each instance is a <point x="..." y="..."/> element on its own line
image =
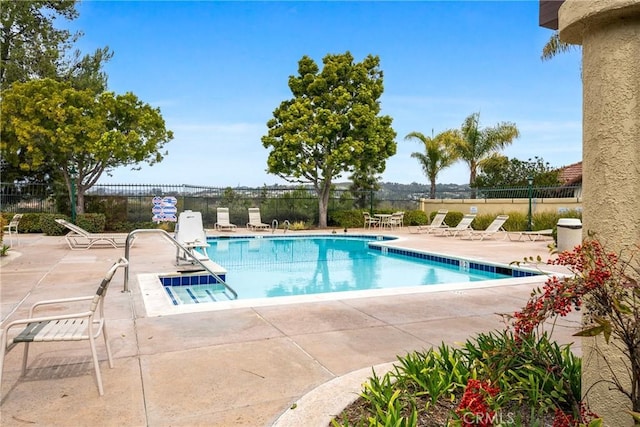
<point x="285" y="224"/>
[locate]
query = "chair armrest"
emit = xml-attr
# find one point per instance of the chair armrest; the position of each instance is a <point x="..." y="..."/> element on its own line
<point x="58" y="301"/>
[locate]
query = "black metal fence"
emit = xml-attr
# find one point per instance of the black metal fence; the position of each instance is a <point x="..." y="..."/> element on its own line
<point x="123" y="203"/>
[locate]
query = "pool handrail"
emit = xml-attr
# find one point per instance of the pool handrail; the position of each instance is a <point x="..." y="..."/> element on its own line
<point x="170" y="238"/>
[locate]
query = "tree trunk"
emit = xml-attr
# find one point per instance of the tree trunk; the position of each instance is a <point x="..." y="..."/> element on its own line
<point x="472" y="180"/>
<point x="432" y="190"/>
<point x="79" y="201"/>
<point x="323" y="204"/>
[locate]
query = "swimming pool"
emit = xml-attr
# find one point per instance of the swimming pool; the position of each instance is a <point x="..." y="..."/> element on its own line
<point x="280" y="266"/>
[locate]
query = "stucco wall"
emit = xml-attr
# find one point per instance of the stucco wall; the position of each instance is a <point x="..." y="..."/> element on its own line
<point x="500" y="206"/>
<point x="609" y="31"/>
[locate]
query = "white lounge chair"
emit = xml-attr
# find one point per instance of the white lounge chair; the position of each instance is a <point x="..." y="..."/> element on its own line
<point x="532" y="235"/>
<point x="12" y="228"/>
<point x="463" y="226"/>
<point x="436" y="223"/>
<point x="78" y="238"/>
<point x="493" y="228"/>
<point x="223" y="220"/>
<point x="87" y="325"/>
<point x="255" y="221"/>
<point x="190" y="234"/>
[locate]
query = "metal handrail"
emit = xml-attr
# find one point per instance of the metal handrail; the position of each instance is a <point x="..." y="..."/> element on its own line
<point x="186" y="251"/>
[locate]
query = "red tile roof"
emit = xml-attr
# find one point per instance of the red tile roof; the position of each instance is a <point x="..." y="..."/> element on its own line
<point x="571" y="174"/>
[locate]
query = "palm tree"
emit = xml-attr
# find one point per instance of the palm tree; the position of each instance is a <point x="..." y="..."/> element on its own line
<point x="438" y="154"/>
<point x="476" y="145"/>
<point x="555" y="46"/>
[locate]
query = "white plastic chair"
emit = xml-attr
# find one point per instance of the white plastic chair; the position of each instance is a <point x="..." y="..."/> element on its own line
<point x="12" y="228"/>
<point x="370" y="221"/>
<point x="76" y="326"/>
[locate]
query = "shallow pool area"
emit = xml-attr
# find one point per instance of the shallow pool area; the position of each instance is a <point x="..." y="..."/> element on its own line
<point x="267" y="270"/>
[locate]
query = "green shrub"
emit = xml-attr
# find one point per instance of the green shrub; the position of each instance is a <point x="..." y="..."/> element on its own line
<point x="415" y="217"/>
<point x="30" y="223"/>
<point x="452" y="219"/>
<point x="534" y="375"/>
<point x="92" y="222"/>
<point x="50" y="227"/>
<point x="517" y="221"/>
<point x="346" y="219"/>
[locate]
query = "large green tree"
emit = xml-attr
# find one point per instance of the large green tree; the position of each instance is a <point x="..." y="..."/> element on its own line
<point x="438" y="154"/>
<point x="331" y="126"/>
<point x="477" y="144"/>
<point x="501" y="171"/>
<point x="33" y="48"/>
<point x="81" y="134"/>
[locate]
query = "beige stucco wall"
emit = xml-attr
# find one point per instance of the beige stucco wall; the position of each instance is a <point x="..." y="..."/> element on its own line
<point x="609" y="32"/>
<point x="500" y="206"/>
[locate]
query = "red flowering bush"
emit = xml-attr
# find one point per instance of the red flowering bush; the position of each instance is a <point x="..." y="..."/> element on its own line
<point x="475" y="408"/>
<point x="562" y="419"/>
<point x="607" y="285"/>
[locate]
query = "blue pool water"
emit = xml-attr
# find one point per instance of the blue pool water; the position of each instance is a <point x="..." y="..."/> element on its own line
<point x="281" y="266"/>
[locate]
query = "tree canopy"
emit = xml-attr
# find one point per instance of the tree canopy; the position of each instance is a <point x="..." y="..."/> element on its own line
<point x="477" y="144"/>
<point x="33" y="48"/>
<point x="501" y="171"/>
<point x="331" y="126"/>
<point x="83" y="135"/>
<point x="438" y="154"/>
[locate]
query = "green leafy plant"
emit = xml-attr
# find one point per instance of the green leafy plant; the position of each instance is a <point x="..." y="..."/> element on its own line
<point x="607" y="284"/>
<point x="4" y="250"/>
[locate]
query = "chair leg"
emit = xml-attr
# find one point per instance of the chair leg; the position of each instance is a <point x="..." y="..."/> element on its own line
<point x="25" y="355"/>
<point x="106" y="344"/>
<point x="96" y="364"/>
<point x="3" y="341"/>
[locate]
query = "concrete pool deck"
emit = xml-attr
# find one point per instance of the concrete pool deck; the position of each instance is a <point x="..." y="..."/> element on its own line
<point x="243" y="366"/>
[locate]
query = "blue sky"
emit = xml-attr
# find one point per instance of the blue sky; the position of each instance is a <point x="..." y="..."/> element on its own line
<point x="217" y="70"/>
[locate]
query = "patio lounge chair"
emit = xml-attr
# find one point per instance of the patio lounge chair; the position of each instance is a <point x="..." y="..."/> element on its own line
<point x="87" y="325"/>
<point x="190" y="234"/>
<point x="532" y="235"/>
<point x="493" y="228"/>
<point x="255" y="222"/>
<point x="436" y="223"/>
<point x="79" y="238"/>
<point x="223" y="220"/>
<point x="463" y="226"/>
<point x="12" y="228"/>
